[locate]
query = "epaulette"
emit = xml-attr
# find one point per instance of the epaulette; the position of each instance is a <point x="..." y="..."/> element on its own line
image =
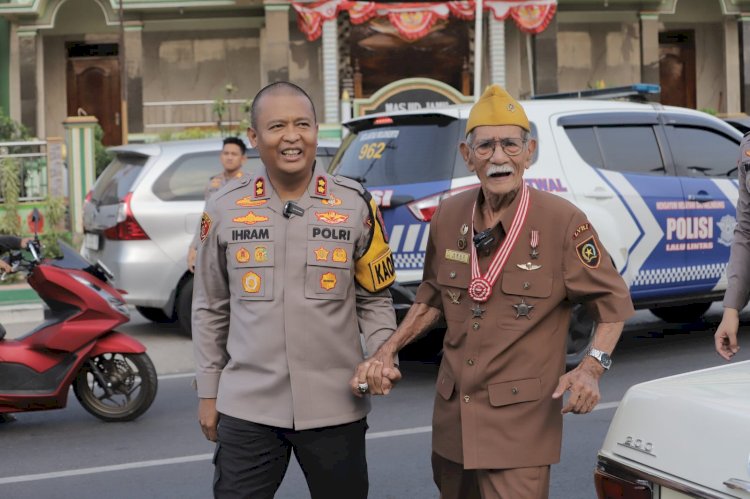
<point x="230" y="186"/>
<point x="353" y="185"/>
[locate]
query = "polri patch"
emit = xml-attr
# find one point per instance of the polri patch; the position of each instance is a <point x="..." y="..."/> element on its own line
<point x="457" y="256"/>
<point x="588" y="252"/>
<point x="261" y="254"/>
<point x="205" y="226"/>
<point x="321" y="254"/>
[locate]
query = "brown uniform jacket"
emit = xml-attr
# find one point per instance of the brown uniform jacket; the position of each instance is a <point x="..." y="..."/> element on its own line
<point x="214" y="185"/>
<point x="277" y="312"/>
<point x="494" y="406"/>
<point x="738" y="270"/>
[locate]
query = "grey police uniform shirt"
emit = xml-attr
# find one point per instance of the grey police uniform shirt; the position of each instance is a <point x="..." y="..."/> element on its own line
<point x="738" y="270"/>
<point x="214" y="185"/>
<point x="277" y="313"/>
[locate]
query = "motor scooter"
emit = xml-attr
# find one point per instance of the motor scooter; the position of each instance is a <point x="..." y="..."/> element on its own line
<point x="112" y="376"/>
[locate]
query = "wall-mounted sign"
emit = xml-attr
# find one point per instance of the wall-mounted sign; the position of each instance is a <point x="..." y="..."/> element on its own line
<point x="410" y="94"/>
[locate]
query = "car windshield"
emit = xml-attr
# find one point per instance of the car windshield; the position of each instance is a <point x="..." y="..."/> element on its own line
<point x="117" y="179"/>
<point x="404" y="151"/>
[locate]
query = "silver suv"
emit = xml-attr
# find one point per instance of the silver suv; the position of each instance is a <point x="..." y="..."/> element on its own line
<point x="142" y="213"/>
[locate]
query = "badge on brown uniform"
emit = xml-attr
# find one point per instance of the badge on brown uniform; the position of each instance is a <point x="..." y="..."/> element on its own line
<point x="455" y="297"/>
<point x="205" y="226"/>
<point x="528" y="266"/>
<point x="523" y="309"/>
<point x="457" y="256"/>
<point x="534" y="243"/>
<point x="588" y="252"/>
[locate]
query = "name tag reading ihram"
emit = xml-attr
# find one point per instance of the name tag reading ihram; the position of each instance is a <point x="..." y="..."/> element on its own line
<point x="457" y="256"/>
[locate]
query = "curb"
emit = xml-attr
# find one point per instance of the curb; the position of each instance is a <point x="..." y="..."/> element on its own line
<point x="21" y="312"/>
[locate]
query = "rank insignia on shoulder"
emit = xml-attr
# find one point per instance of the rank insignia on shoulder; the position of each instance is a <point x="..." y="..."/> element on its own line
<point x="247" y="202"/>
<point x="321" y="186"/>
<point x="588" y="252"/>
<point x="581" y="229"/>
<point x="215" y="182"/>
<point x="242" y="255"/>
<point x="328" y="281"/>
<point x="331" y="217"/>
<point x="250" y="219"/>
<point x="205" y="226"/>
<point x="260" y="187"/>
<point x="331" y="201"/>
<point x="251" y="282"/>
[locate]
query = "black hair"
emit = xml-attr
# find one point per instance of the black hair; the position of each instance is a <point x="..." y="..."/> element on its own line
<point x="236" y="141"/>
<point x="270" y="88"/>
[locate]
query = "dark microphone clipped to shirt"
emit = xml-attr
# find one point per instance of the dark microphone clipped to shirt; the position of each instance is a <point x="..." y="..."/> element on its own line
<point x="484" y="240"/>
<point x="292" y="208"/>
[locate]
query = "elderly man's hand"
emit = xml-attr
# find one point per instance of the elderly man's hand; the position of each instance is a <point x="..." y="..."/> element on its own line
<point x="725" y="339"/>
<point x="379" y="375"/>
<point x="583" y="384"/>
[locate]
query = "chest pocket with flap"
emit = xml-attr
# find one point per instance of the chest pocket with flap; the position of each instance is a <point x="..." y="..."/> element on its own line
<point x="527" y="283"/>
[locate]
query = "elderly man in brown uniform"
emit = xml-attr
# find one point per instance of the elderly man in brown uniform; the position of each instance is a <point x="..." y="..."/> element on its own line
<point x="738" y="270"/>
<point x="292" y="266"/>
<point x="505" y="263"/>
<point x="232" y="158"/>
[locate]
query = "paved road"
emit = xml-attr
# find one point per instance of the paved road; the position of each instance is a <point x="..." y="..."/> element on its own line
<point x="67" y="453"/>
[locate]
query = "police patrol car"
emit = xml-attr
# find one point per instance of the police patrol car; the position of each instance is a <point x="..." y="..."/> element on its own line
<point x="658" y="183"/>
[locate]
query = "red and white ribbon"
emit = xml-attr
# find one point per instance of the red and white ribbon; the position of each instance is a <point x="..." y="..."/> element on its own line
<point x="481" y="286"/>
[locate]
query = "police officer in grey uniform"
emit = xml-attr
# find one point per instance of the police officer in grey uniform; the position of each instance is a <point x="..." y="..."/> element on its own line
<point x="232" y="158"/>
<point x="738" y="270"/>
<point x="292" y="266"/>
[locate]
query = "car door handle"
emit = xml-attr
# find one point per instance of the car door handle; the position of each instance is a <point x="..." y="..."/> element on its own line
<point x="737" y="484"/>
<point x="700" y="197"/>
<point x="599" y="193"/>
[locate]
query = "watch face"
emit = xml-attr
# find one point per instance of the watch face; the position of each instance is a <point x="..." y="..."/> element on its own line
<point x="606" y="361"/>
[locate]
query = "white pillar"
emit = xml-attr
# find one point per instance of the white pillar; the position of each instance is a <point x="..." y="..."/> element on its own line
<point x="330" y="72"/>
<point x="497" y="51"/>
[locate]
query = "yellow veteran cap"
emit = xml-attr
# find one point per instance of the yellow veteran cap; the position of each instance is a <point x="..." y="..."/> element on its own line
<point x="497" y="107"/>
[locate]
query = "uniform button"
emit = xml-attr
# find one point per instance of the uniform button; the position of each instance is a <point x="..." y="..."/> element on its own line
<point x="452" y="275"/>
<point x="526" y="285"/>
<point x="475" y="326"/>
<point x="467" y="398"/>
<point x="514" y="390"/>
<point x="470" y="362"/>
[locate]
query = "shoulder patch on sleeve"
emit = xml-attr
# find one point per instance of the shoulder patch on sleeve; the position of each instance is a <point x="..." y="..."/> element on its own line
<point x="375" y="269"/>
<point x="205" y="226"/>
<point x="588" y="252"/>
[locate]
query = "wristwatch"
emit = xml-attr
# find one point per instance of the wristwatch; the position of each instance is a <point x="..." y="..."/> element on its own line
<point x="604" y="359"/>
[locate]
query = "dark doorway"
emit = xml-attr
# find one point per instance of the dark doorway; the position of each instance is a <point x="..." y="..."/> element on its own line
<point x="380" y="55"/>
<point x="677" y="68"/>
<point x="93" y="82"/>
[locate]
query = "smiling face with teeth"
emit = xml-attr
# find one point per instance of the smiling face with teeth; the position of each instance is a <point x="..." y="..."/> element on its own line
<point x="499" y="174"/>
<point x="286" y="135"/>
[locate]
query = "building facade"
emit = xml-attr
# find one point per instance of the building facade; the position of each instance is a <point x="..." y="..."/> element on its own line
<point x="146" y="66"/>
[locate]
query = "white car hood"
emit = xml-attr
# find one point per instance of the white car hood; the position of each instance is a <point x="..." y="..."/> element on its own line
<point x="694" y="427"/>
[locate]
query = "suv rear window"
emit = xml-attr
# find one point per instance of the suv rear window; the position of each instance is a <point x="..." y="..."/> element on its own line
<point x="405" y="151"/>
<point x="117" y="179"/>
<point x="186" y="178"/>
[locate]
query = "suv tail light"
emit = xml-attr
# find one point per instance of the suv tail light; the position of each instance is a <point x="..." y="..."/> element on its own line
<point x="612" y="487"/>
<point x="127" y="228"/>
<point x="424" y="208"/>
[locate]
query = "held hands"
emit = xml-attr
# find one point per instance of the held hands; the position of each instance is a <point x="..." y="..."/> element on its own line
<point x="725" y="339"/>
<point x="378" y="373"/>
<point x="208" y="418"/>
<point x="583" y="384"/>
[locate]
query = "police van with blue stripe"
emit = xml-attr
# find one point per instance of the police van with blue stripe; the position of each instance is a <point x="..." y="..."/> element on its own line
<point x="659" y="183"/>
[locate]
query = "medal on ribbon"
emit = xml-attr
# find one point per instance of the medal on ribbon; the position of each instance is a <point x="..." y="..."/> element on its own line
<point x="534" y="243"/>
<point x="480" y="287"/>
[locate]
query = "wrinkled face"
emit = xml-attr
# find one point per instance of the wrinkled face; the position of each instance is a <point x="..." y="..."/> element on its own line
<point x="286" y="135"/>
<point x="232" y="158"/>
<point x="501" y="172"/>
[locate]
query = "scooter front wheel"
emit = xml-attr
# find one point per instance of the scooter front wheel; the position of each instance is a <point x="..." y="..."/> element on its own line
<point x="116" y="386"/>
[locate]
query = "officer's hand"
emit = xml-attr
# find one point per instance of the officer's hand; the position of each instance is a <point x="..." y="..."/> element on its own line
<point x="379" y="376"/>
<point x="192" y="253"/>
<point x="208" y="418"/>
<point x="583" y="384"/>
<point x="725" y="339"/>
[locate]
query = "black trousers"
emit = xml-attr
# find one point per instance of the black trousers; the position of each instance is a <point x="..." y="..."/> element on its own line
<point x="251" y="459"/>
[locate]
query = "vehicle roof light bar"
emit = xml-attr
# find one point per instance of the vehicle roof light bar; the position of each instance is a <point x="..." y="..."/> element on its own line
<point x="638" y="90"/>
